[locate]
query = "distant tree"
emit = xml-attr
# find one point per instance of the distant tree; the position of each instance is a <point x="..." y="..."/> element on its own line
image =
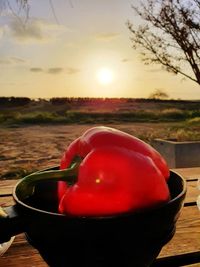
<point x="158" y="94"/>
<point x="169" y="36"/>
<point x="19" y="101"/>
<point x="4" y="100"/>
<point x="59" y="100"/>
<point x="14" y="101"/>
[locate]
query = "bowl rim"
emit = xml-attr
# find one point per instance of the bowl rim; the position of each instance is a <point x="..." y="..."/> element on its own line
<point x="56" y="214"/>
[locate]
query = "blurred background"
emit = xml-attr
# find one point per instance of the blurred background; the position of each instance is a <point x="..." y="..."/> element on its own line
<point x="69" y="65"/>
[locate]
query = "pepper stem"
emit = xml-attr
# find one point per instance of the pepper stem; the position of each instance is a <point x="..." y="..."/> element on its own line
<point x="26" y="186"/>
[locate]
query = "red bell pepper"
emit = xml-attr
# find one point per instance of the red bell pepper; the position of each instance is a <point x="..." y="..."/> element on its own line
<point x="113" y="180"/>
<point x="118" y="173"/>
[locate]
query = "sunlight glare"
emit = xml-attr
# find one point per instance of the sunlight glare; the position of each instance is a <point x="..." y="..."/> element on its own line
<point x="105" y="76"/>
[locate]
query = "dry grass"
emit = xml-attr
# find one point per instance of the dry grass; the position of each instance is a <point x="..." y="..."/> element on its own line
<point x="34" y="135"/>
<point x="26" y="149"/>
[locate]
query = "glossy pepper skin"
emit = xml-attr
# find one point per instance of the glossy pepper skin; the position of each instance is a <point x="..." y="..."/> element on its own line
<point x="114" y="180"/>
<point x="89" y="144"/>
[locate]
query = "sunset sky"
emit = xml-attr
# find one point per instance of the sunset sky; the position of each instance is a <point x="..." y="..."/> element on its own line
<point x="85" y="51"/>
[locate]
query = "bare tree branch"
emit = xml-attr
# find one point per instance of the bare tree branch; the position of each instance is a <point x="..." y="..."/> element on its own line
<point x="170" y="35"/>
<point x="23" y="6"/>
<point x="53" y="11"/>
<point x="22" y="12"/>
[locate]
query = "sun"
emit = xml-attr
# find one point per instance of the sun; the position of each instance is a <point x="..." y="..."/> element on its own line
<point x="105" y="76"/>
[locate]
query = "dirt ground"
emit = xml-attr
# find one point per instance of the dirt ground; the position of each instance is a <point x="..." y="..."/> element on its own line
<point x="27" y="149"/>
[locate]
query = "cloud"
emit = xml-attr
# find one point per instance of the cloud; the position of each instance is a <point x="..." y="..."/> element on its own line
<point x="12" y="60"/>
<point x="71" y="71"/>
<point x="68" y="70"/>
<point x="54" y="70"/>
<point x="35" y="30"/>
<point x="36" y="69"/>
<point x="106" y="36"/>
<point x="32" y="30"/>
<point x="18" y="60"/>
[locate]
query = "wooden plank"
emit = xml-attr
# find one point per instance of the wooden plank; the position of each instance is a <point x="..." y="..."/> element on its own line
<point x="189" y="173"/>
<point x="192" y="192"/>
<point x="21" y="254"/>
<point x="6" y="186"/>
<point x="188" y="227"/>
<point x="186" y="239"/>
<point x="6" y="201"/>
<point x="178" y="260"/>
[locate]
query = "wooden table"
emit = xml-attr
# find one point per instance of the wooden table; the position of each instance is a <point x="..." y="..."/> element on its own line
<point x="182" y="250"/>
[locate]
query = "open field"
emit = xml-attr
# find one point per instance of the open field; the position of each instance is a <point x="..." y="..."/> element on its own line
<point x="26" y="149"/>
<point x="35" y="133"/>
<point x="95" y="110"/>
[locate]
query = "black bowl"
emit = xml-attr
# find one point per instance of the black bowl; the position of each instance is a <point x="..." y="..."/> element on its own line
<point x="129" y="239"/>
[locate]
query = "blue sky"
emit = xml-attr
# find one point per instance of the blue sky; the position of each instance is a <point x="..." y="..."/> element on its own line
<point x="64" y="55"/>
